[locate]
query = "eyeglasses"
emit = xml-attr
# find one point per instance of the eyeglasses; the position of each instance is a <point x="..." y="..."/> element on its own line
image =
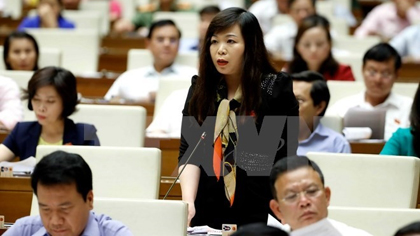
<point x="311" y="192"/>
<point x="373" y="73"/>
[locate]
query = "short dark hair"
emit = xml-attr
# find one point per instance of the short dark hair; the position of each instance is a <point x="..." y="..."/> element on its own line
<point x="62" y="80"/>
<point x="61" y="167"/>
<point x="383" y="52"/>
<point x="409" y="229"/>
<point x="298" y="64"/>
<point x="161" y="23"/>
<point x="213" y="10"/>
<point x="259" y="229"/>
<point x="19" y="35"/>
<point x="289" y="164"/>
<point x="319" y="90"/>
<point x="290" y="2"/>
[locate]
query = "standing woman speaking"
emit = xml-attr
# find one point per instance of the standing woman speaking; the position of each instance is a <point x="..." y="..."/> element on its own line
<point x="226" y="179"/>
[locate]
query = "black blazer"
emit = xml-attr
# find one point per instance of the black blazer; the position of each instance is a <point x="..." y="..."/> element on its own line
<point x="24" y="138"/>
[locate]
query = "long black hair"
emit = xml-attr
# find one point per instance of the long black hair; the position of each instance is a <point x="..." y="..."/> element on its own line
<point x="255" y="64"/>
<point x="415" y="121"/>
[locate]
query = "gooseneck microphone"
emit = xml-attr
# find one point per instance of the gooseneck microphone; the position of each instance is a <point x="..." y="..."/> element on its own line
<point x="185" y="164"/>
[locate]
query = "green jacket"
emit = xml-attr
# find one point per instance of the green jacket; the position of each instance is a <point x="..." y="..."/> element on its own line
<point x="400" y="144"/>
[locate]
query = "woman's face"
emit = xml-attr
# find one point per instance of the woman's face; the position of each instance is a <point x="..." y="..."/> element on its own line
<point x="47" y="105"/>
<point x="22" y="54"/>
<point x="227" y="51"/>
<point x="314" y="46"/>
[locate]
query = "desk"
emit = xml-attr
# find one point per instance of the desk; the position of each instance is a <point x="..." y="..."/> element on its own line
<point x="16" y="198"/>
<point x="94" y="86"/>
<point x="366" y="147"/>
<point x="3" y="135"/>
<point x="170" y="152"/>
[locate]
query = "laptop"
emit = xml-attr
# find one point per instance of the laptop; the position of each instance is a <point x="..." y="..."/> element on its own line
<point x="372" y="118"/>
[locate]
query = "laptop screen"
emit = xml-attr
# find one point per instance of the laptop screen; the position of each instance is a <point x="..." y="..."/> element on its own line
<point x="372" y="118"/>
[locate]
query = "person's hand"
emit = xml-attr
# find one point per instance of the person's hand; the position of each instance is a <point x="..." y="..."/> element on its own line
<point x="403" y="6"/>
<point x="47" y="15"/>
<point x="191" y="212"/>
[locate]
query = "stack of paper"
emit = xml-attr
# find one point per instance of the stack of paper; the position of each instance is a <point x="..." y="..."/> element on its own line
<point x="203" y="230"/>
<point x="24" y="167"/>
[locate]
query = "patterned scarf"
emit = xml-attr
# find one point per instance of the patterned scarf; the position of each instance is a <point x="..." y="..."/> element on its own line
<point x="225" y="139"/>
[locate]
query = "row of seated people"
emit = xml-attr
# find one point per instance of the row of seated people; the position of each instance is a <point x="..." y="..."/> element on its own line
<point x="391" y="21"/>
<point x="139" y="84"/>
<point x="227" y="68"/>
<point x="63" y="185"/>
<point x="279" y="39"/>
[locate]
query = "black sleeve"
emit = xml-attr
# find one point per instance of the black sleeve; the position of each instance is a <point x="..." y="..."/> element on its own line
<point x="284" y="103"/>
<point x="185" y="119"/>
<point x="11" y="140"/>
<point x="91" y="138"/>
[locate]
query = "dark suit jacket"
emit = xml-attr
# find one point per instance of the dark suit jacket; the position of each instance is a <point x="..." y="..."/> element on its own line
<point x="24" y="138"/>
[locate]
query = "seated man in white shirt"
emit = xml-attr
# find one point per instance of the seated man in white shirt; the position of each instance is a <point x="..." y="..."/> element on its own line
<point x="266" y="10"/>
<point x="279" y="41"/>
<point x="141" y="84"/>
<point x="381" y="64"/>
<point x="301" y="199"/>
<point x="311" y="91"/>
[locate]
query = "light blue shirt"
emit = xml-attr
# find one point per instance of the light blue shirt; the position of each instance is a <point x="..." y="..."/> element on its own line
<point x="324" y="139"/>
<point x="407" y="43"/>
<point x="98" y="225"/>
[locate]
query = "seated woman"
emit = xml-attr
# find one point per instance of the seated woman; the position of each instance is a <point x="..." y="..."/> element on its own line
<point x="52" y="96"/>
<point x="49" y="16"/>
<point x="312" y="51"/>
<point x="406" y="141"/>
<point x="20" y="52"/>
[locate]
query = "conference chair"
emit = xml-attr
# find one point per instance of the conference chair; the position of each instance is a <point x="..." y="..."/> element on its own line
<point x="101" y="7"/>
<point x="146" y="217"/>
<point x="333" y="122"/>
<point x="129" y="8"/>
<point x="365" y="180"/>
<point x="376" y="221"/>
<point x="117" y="126"/>
<point x="354" y="60"/>
<point x="342" y="89"/>
<point x="143" y="57"/>
<point x="355" y="45"/>
<point x="129" y="173"/>
<point x="168" y="85"/>
<point x="79" y="47"/>
<point x="13" y="8"/>
<point x="187" y="22"/>
<point x="47" y="57"/>
<point x="20" y="77"/>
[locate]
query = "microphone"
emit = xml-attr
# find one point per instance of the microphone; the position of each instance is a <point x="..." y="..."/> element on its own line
<point x="188" y="159"/>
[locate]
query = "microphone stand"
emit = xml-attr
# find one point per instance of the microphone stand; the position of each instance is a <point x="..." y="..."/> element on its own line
<point x="185" y="165"/>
